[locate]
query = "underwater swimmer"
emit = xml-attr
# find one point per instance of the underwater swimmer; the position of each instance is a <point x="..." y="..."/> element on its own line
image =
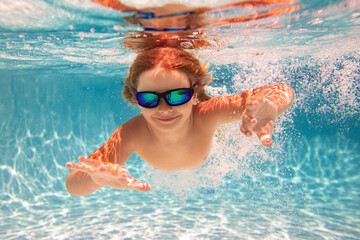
<point x="178" y="120"/>
<point x="180" y="17"/>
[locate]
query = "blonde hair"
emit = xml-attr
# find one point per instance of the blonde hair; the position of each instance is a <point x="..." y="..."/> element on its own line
<point x="172" y="59"/>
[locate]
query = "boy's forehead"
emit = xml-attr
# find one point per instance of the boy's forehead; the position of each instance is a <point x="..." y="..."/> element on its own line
<point x="160" y="72"/>
<point x="163" y="73"/>
<point x="162" y="78"/>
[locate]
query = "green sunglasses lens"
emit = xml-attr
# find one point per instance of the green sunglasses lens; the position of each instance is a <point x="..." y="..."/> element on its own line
<point x="149" y="100"/>
<point x="179" y="96"/>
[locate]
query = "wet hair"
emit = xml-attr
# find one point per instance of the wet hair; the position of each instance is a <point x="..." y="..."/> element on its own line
<point x="172" y="59"/>
<point x="143" y="41"/>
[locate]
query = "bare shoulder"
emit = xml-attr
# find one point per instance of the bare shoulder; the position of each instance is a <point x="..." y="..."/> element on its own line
<point x="134" y="125"/>
<point x="223" y="109"/>
<point x="134" y="129"/>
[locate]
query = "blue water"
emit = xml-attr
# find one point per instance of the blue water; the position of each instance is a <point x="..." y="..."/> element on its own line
<point x="61" y="73"/>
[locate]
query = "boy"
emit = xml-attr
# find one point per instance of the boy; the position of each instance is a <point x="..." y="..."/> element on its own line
<point x="178" y="120"/>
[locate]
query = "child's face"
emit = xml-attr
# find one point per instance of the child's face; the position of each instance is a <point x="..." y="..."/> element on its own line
<point x="165" y="117"/>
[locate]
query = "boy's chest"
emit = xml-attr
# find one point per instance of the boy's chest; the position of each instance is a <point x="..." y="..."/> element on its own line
<point x="190" y="154"/>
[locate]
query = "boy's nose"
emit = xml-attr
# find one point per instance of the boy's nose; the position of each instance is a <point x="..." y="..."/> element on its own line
<point x="164" y="107"/>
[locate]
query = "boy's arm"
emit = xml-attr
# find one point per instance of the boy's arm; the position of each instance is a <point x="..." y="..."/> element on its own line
<point x="257" y="108"/>
<point x="104" y="166"/>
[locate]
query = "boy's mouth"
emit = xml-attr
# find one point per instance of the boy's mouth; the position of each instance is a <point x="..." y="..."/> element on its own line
<point x="167" y="119"/>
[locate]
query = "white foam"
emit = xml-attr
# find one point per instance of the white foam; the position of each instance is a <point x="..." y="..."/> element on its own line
<point x="34" y="14"/>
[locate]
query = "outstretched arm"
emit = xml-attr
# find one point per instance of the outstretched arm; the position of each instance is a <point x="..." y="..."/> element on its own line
<point x="90" y="175"/>
<point x="257" y="108"/>
<point x="104" y="166"/>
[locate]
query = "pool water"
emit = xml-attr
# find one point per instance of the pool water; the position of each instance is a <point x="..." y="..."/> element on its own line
<point x="61" y="73"/>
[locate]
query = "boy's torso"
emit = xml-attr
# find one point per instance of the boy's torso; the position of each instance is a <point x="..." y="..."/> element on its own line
<point x="188" y="154"/>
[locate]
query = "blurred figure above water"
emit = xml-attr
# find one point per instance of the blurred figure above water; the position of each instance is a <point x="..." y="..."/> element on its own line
<point x="179" y="17"/>
<point x="178" y="25"/>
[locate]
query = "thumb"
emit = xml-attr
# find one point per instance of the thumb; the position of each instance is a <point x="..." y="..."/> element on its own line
<point x="262" y="92"/>
<point x="258" y="98"/>
<point x="264" y="133"/>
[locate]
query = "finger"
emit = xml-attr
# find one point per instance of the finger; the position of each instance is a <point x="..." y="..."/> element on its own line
<point x="261" y="94"/>
<point x="79" y="166"/>
<point x="249" y="120"/>
<point x="257" y="99"/>
<point x="247" y="125"/>
<point x="117" y="169"/>
<point x="123" y="172"/>
<point x="266" y="140"/>
<point x="89" y="161"/>
<point x="114" y="169"/>
<point x="111" y="168"/>
<point x="73" y="165"/>
<point x="69" y="165"/>
<point x="246" y="117"/>
<point x="264" y="134"/>
<point x="138" y="185"/>
<point x="245" y="130"/>
<point x="251" y="106"/>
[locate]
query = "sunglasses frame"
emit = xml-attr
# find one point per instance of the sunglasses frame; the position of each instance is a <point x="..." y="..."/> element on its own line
<point x="163" y="96"/>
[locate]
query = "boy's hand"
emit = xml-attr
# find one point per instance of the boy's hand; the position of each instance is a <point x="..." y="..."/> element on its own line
<point x="259" y="117"/>
<point x="109" y="174"/>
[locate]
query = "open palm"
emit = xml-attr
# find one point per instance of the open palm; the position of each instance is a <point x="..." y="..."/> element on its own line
<point x="109" y="174"/>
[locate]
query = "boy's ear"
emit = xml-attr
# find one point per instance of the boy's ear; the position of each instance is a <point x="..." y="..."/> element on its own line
<point x="195" y="100"/>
